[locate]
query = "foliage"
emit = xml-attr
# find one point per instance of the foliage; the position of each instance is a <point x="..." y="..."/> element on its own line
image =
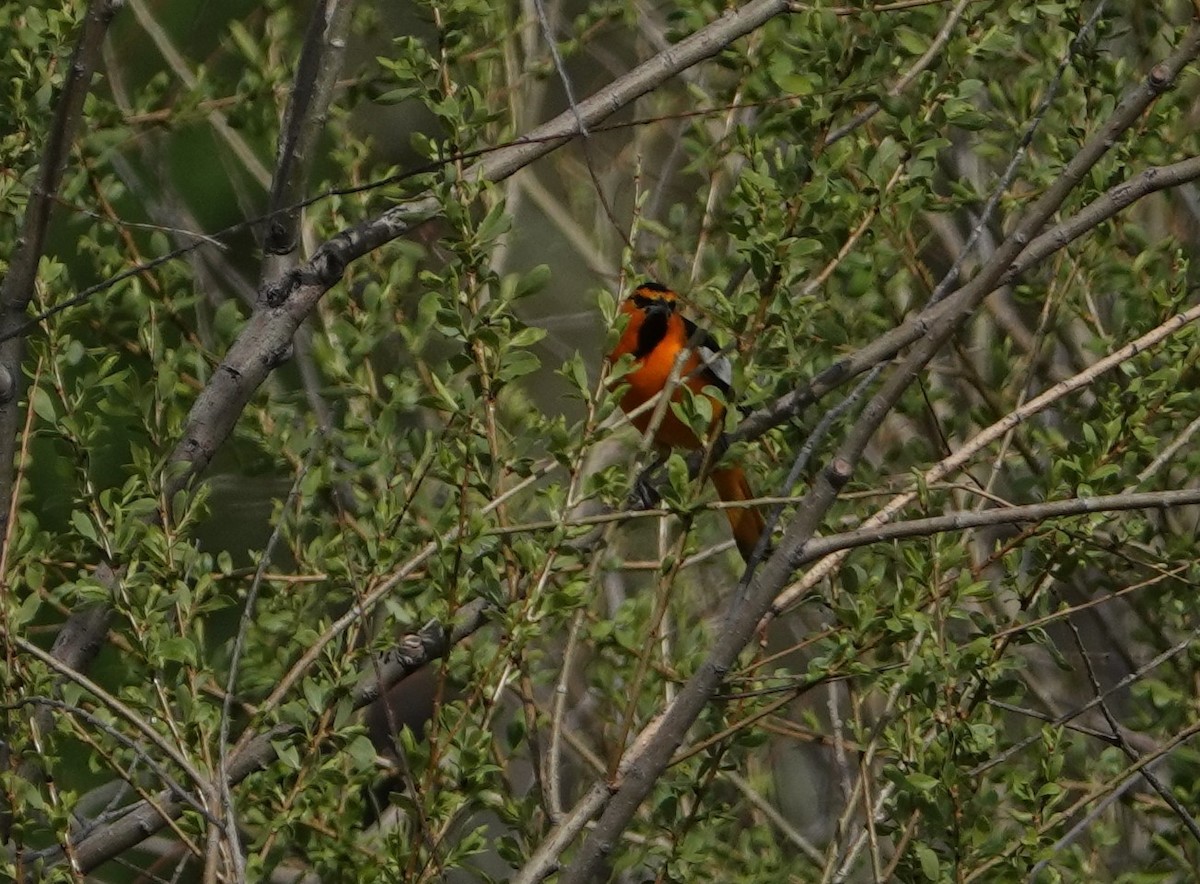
<point x="443" y="447"/>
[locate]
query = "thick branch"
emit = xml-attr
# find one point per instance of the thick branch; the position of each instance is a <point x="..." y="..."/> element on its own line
<point x="316" y="72"/>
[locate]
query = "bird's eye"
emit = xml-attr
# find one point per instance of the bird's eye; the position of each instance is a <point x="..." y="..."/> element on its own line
<point x="642" y="301"/>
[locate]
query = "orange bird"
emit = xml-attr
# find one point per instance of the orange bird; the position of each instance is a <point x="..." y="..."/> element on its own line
<point x="655" y="334"/>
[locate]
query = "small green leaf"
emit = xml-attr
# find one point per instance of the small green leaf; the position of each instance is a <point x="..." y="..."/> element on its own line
<point x="911" y="41"/>
<point x="83" y="525"/>
<point x="527" y="336"/>
<point x="287" y="754"/>
<point x="178" y="649"/>
<point x="43" y="406"/>
<point x="930" y="867"/>
<point x="314" y="694"/>
<point x="533" y="281"/>
<point x="923" y="782"/>
<point x="362" y="752"/>
<point x="518" y="364"/>
<point x="26" y="612"/>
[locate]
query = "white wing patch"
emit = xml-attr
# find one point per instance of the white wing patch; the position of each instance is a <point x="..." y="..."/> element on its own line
<point x="721" y="367"/>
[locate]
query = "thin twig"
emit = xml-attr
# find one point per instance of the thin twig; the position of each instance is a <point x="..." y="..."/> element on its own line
<point x="169" y="749"/>
<point x="166" y="48"/>
<point x="927" y="58"/>
<point x="1118" y="739"/>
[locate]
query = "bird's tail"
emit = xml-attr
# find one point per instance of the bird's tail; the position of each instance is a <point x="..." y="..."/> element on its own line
<point x="747" y="522"/>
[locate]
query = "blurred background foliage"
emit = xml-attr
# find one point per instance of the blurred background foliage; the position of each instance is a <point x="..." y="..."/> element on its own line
<point x="443" y="424"/>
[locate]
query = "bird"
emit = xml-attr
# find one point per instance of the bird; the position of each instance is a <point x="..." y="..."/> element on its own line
<point x="654" y="335"/>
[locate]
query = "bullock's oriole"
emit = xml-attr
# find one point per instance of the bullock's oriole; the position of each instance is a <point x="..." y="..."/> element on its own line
<point x="655" y="334"/>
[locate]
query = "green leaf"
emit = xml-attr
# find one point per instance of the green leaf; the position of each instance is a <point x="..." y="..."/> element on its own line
<point x="532" y="281"/>
<point x="178" y="649"/>
<point x="26" y="612"/>
<point x="922" y="782"/>
<point x="911" y="41"/>
<point x="83" y="525"/>
<point x="527" y="336"/>
<point x="518" y="364"/>
<point x="931" y="868"/>
<point x="43" y="405"/>
<point x="287" y="753"/>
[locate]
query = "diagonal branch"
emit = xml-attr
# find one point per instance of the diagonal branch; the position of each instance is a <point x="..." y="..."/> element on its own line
<point x="982" y="439"/>
<point x="886" y="346"/>
<point x="303" y="120"/>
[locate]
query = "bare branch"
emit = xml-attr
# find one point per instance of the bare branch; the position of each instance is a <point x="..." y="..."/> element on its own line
<point x="965" y="519"/>
<point x="316" y="73"/>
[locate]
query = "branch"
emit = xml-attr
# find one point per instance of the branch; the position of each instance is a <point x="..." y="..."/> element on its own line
<point x="965" y="519"/>
<point x="16" y="289"/>
<point x="1118" y="783"/>
<point x="111" y="703"/>
<point x="986" y="437"/>
<point x="179" y="66"/>
<point x="1114" y="200"/>
<point x="303" y="121"/>
<point x="266" y="340"/>
<point x="885" y="347"/>
<point x="316" y="73"/>
<point x="1119" y="740"/>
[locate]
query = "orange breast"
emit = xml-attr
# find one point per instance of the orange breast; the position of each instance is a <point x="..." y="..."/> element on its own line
<point x="650" y="376"/>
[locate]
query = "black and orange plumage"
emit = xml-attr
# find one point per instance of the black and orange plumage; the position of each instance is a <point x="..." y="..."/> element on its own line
<point x="654" y="335"/>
